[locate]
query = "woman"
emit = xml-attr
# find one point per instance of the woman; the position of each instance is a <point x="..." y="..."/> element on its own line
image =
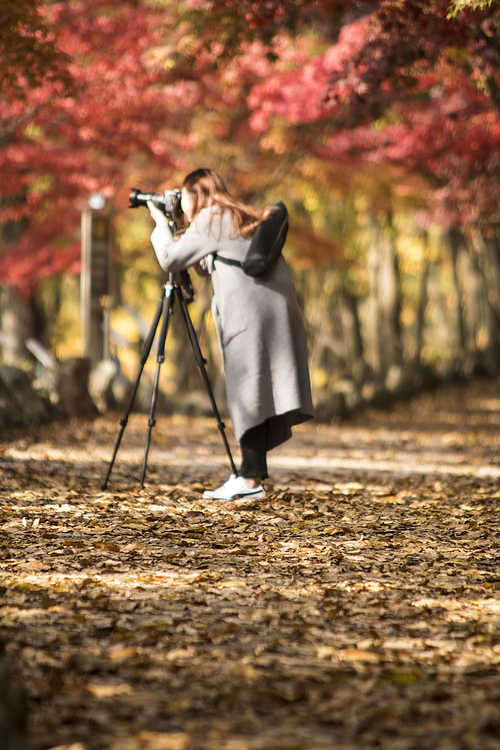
<point x="258" y="321"/>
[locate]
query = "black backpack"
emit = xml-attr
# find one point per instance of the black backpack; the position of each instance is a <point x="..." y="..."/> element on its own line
<point x="266" y="243"/>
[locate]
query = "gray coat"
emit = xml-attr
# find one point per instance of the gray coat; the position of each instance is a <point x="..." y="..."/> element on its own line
<point x="259" y="324"/>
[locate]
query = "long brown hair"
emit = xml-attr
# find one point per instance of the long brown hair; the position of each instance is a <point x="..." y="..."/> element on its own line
<point x="208" y="189"/>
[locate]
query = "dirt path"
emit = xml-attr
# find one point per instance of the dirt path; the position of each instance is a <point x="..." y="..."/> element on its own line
<point x="357" y="607"/>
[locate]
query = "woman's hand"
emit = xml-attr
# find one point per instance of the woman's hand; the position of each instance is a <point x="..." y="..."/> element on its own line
<point x="157" y="215"/>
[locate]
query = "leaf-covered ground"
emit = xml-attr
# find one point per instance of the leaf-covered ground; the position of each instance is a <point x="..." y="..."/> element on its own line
<point x="358" y="606"/>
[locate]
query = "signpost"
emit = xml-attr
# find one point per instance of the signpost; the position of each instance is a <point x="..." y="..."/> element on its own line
<point x="96" y="286"/>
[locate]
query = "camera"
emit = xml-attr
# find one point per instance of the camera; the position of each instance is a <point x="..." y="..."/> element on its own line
<point x="169" y="202"/>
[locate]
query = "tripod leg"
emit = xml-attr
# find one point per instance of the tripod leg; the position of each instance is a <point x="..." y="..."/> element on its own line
<point x="144" y="356"/>
<point x="201" y="362"/>
<point x="167" y="309"/>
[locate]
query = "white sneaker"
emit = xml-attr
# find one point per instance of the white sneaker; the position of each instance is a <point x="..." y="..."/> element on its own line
<point x="235" y="487"/>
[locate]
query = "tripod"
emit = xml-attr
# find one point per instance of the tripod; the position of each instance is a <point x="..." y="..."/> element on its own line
<point x="180" y="288"/>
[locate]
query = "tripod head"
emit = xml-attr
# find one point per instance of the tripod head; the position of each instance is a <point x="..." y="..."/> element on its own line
<point x="184" y="278"/>
<point x="183" y="282"/>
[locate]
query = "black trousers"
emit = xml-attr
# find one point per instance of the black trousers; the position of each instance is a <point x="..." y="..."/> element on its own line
<point x="253" y="452"/>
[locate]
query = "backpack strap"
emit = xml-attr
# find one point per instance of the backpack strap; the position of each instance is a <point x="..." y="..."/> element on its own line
<point x="228" y="261"/>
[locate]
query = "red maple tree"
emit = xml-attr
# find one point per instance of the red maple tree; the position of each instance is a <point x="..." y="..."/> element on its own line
<point x="82" y="129"/>
<point x="393" y="83"/>
<point x="405" y="83"/>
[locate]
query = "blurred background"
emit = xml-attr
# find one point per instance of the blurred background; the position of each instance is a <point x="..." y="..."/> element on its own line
<point x="378" y="124"/>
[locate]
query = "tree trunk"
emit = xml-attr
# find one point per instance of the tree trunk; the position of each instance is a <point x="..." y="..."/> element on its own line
<point x="383" y="271"/>
<point x="492" y="255"/>
<point x="351" y="328"/>
<point x="454" y="238"/>
<point x="422" y="306"/>
<point x="472" y="310"/>
<point x="324" y="326"/>
<point x="480" y="323"/>
<point x="487" y="250"/>
<point x="487" y="261"/>
<point x="20" y="318"/>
